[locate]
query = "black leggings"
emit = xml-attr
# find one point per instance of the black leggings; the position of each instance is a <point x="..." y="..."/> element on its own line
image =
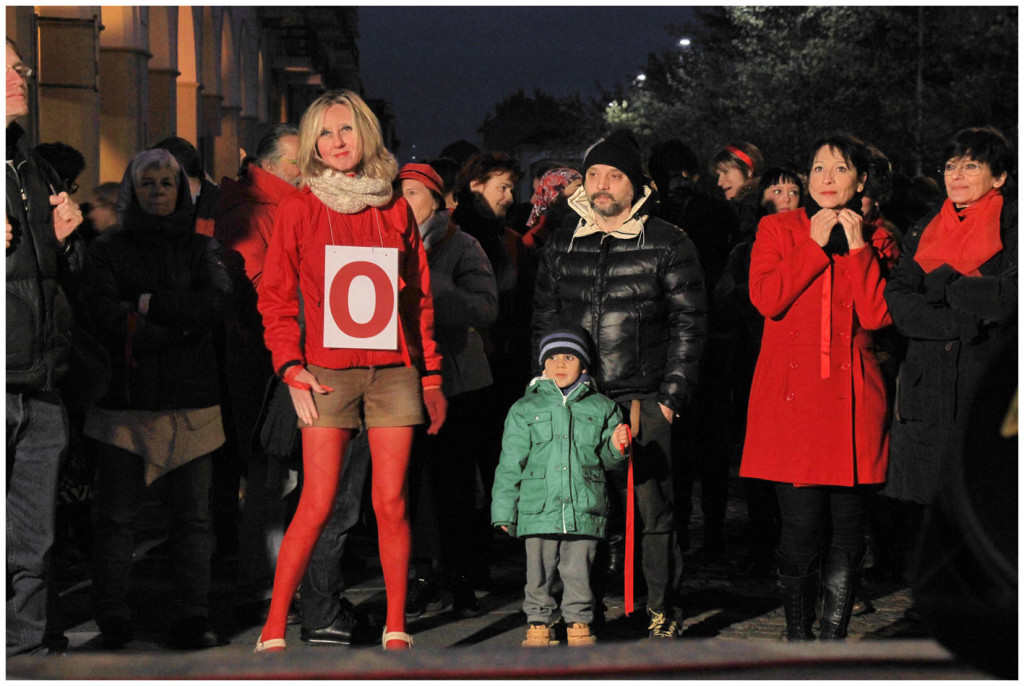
<point x="806" y="512"/>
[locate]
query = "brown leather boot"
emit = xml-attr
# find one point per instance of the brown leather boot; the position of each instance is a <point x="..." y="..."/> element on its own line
<point x="540" y="636"/>
<point x="579" y="635"/>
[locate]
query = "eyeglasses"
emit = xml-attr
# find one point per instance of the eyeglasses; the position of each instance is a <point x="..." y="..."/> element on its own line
<point x="288" y="159"/>
<point x="72" y="187"/>
<point x="967" y="168"/>
<point x="22" y="71"/>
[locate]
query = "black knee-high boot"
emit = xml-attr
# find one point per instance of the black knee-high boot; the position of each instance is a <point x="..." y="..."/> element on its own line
<point x="839" y="582"/>
<point x="799" y="589"/>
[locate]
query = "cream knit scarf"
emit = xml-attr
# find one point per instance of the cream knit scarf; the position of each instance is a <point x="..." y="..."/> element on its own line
<point x="349" y="194"/>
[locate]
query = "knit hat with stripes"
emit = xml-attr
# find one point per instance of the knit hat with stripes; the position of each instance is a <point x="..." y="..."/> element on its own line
<point x="571" y="340"/>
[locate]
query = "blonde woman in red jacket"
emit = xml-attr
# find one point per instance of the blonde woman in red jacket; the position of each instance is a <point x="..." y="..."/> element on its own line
<point x="347" y="201"/>
<point x="816" y="422"/>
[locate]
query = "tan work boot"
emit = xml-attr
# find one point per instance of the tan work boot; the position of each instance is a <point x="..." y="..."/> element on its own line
<point x="540" y="636"/>
<point x="579" y="635"/>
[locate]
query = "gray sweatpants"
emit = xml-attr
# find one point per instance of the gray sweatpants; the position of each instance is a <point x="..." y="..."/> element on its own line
<point x="572" y="558"/>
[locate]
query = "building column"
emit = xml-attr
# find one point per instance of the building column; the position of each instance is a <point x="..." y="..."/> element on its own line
<point x="189" y="113"/>
<point x="124" y="108"/>
<point x="163" y="104"/>
<point x="209" y="129"/>
<point x="226" y="157"/>
<point x="249" y="133"/>
<point x="68" y="78"/>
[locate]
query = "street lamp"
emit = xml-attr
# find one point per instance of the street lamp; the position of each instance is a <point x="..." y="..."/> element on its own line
<point x="684" y="42"/>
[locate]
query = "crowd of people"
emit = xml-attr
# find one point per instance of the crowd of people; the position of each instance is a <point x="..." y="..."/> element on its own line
<point x="544" y="369"/>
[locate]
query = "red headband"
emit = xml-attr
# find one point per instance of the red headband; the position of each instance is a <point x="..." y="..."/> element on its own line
<point x="742" y="155"/>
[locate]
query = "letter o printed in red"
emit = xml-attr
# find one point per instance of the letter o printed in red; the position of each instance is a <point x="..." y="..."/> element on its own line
<point x="384" y="299"/>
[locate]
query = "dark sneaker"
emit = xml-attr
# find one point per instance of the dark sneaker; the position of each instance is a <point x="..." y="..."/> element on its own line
<point x="436" y="604"/>
<point x="115" y="632"/>
<point x="423" y="596"/>
<point x="663" y="627"/>
<point x="192" y="633"/>
<point x="861" y="606"/>
<point x="464" y="602"/>
<point x="339" y="632"/>
<point x="616" y="558"/>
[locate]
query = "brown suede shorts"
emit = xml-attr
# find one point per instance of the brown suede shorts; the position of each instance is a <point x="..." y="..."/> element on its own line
<point x="376" y="396"/>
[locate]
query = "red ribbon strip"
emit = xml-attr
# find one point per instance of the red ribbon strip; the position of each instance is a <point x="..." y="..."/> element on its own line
<point x="628" y="568"/>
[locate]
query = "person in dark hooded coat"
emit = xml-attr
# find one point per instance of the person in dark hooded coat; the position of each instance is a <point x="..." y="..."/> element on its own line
<point x="154" y="292"/>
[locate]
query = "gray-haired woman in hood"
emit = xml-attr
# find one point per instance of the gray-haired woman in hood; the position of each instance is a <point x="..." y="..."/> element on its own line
<point x="154" y="292"/>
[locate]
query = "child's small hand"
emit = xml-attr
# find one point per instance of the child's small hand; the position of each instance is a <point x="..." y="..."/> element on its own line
<point x="622" y="438"/>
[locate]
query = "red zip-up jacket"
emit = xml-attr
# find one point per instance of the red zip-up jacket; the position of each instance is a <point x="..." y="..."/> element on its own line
<point x="295" y="259"/>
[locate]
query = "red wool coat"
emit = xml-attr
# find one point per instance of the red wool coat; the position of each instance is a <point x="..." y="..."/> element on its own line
<point x="816" y="371"/>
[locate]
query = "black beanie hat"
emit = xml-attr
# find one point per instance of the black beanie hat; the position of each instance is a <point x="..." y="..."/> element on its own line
<point x="619" y="150"/>
<point x="570" y="340"/>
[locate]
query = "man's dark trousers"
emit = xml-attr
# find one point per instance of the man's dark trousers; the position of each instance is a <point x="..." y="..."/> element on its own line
<point x="37" y="436"/>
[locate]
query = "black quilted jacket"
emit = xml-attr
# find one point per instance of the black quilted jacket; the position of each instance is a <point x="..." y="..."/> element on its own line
<point x="642" y="300"/>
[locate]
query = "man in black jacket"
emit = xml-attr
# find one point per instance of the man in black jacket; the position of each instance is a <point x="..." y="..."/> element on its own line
<point x="634" y="282"/>
<point x="39" y="221"/>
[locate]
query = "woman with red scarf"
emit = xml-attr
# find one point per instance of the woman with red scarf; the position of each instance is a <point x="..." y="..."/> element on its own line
<point x="816" y="420"/>
<point x="953" y="294"/>
<point x="338" y="388"/>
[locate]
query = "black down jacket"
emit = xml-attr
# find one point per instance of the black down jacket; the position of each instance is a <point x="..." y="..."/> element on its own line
<point x="38" y="313"/>
<point x="641" y="298"/>
<point x="950" y="346"/>
<point x="164" y="360"/>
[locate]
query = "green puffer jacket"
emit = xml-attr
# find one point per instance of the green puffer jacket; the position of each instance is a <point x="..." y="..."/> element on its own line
<point x="554" y="455"/>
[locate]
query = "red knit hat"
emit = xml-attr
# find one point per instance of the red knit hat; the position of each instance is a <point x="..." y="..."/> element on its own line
<point x="423" y="173"/>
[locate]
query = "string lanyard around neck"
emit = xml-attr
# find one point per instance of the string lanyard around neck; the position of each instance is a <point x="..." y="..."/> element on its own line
<point x="376" y="216"/>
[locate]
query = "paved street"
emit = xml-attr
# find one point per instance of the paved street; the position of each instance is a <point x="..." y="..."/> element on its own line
<point x="732" y="629"/>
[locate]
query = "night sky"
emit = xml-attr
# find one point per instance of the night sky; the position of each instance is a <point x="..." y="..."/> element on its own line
<point x="444" y="68"/>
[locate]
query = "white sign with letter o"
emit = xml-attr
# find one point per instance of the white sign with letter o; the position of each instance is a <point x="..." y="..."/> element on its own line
<point x="361" y="303"/>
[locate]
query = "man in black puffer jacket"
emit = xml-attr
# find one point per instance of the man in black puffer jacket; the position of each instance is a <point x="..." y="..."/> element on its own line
<point x="634" y="282"/>
<point x="40" y="217"/>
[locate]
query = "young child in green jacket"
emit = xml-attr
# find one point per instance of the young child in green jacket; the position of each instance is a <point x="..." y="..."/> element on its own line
<point x="550" y="487"/>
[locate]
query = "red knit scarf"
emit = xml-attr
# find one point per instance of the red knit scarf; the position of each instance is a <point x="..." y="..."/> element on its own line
<point x="963" y="245"/>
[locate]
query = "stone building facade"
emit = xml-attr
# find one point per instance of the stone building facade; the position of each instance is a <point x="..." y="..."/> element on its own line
<point x="112" y="80"/>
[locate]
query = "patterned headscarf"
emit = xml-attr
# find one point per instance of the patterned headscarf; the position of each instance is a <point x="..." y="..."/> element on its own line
<point x="551" y="186"/>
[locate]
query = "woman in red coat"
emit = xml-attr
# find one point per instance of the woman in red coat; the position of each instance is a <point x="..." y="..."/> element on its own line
<point x="347" y="201"/>
<point x="816" y="422"/>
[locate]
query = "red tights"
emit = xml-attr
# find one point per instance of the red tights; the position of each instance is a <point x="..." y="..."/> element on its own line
<point x="322" y="451"/>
